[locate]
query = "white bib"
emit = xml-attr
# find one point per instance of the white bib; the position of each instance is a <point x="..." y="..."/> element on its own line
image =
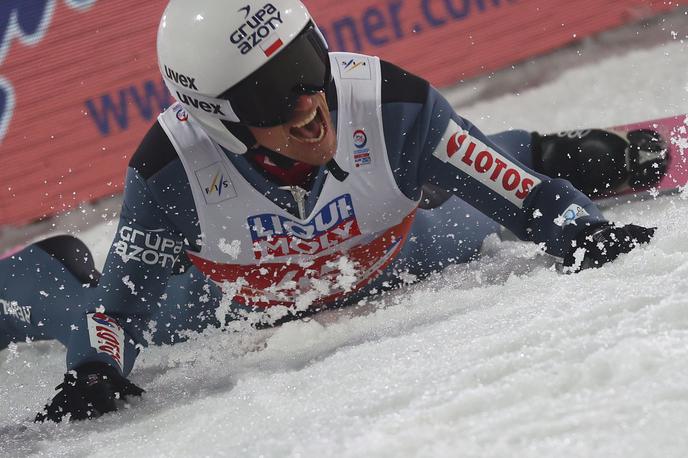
<point x="355" y="230"/>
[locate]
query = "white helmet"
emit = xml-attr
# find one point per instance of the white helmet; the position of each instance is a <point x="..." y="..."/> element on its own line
<point x="240" y="62"/>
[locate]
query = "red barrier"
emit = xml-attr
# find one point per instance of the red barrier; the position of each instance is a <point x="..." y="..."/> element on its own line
<point x="79" y="84"/>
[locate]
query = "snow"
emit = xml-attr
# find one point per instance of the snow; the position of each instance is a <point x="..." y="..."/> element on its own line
<point x="500" y="357"/>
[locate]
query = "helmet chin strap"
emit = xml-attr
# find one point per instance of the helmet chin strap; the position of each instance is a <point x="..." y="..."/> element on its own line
<point x="241" y="133"/>
<point x="285" y="162"/>
<point x="336" y="171"/>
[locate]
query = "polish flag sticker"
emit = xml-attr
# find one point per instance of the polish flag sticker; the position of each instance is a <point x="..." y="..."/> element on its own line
<point x="270" y="45"/>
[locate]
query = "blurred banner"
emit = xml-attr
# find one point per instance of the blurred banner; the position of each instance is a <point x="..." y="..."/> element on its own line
<point x="79" y="84"/>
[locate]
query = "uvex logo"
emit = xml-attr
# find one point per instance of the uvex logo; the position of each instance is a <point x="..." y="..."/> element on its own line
<point x="179" y="78"/>
<point x="208" y="107"/>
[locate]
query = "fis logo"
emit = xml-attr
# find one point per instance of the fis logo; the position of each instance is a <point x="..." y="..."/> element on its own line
<point x="215" y="182"/>
<point x="485" y="165"/>
<point x="257" y="28"/>
<point x="277" y="236"/>
<point x="218" y="185"/>
<point x="106" y="336"/>
<point x="352" y="65"/>
<point x="354" y="68"/>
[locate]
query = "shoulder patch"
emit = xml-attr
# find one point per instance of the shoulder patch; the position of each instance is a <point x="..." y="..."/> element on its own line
<point x="398" y="85"/>
<point x="154" y="152"/>
<point x="354" y="68"/>
<point x="483" y="163"/>
<point x="215" y="183"/>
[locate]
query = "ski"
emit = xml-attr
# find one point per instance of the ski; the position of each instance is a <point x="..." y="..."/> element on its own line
<point x="674" y="130"/>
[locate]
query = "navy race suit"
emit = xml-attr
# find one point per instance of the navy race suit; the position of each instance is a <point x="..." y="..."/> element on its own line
<point x="156" y="282"/>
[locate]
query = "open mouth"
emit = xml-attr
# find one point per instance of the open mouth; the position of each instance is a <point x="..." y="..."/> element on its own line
<point x="312" y="129"/>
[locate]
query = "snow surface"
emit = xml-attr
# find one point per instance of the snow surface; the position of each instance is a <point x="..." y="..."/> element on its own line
<point x="500" y="357"/>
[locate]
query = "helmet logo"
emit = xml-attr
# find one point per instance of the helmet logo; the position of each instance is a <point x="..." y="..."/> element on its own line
<point x="209" y="107"/>
<point x="247" y="8"/>
<point x="184" y="80"/>
<point x="181" y="113"/>
<point x="257" y="28"/>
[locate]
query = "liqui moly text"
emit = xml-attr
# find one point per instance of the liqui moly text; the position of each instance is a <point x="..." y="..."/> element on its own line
<point x="276" y="235"/>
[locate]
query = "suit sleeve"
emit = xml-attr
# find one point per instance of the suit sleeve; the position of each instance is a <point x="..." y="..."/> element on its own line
<point x="531" y="205"/>
<point x="429" y="143"/>
<point x="141" y="259"/>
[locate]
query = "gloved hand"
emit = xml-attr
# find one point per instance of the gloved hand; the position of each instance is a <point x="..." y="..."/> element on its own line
<point x="598" y="162"/>
<point x="648" y="157"/>
<point x="88" y="392"/>
<point x="603" y="243"/>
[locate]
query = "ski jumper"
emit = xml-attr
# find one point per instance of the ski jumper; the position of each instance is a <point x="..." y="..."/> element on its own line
<point x="346" y="239"/>
<point x="187" y="199"/>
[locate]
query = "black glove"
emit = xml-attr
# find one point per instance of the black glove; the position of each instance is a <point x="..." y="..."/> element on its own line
<point x="603" y="243"/>
<point x="94" y="390"/>
<point x="648" y="157"/>
<point x="598" y="162"/>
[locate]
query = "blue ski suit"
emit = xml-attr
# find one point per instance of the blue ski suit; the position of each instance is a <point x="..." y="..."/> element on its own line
<point x="45" y="296"/>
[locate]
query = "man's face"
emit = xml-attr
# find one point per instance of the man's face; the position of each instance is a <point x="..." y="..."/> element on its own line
<point x="308" y="137"/>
